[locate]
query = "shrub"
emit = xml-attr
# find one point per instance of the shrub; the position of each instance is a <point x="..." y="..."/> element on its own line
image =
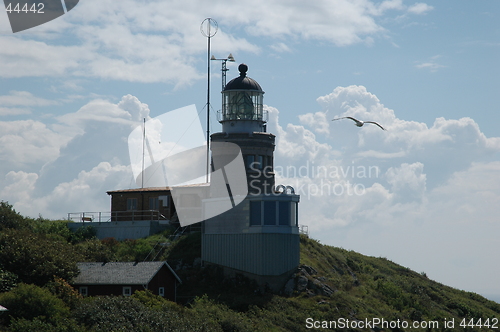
<point x="94" y="250"/>
<point x="149" y="299"/>
<point x="9" y="218"/>
<point x="60" y="288"/>
<point x="35" y="259"/>
<point x="30" y="302"/>
<point x="8" y="280"/>
<point x="83" y="233"/>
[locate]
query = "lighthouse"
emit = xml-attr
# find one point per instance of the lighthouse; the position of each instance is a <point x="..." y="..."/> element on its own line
<point x="259" y="237"/>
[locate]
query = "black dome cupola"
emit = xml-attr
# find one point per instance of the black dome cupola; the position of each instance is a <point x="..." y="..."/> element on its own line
<point x="243" y="82"/>
<point x="242" y="104"/>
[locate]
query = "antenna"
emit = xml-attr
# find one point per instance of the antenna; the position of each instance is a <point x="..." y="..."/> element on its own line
<point x="143" y="142"/>
<point x="208" y="29"/>
<point x="224" y="69"/>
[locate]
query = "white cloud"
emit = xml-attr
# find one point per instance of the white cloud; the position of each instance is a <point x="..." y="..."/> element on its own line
<point x="129" y="111"/>
<point x="19" y="102"/>
<point x="23" y="58"/>
<point x="420" y="8"/>
<point x="24" y="144"/>
<point x="432" y="66"/>
<point x="24" y="98"/>
<point x="87" y="192"/>
<point x="317" y="121"/>
<point x="434" y="197"/>
<point x="18" y="186"/>
<point x="408" y="182"/>
<point x="4" y="111"/>
<point x="160" y="41"/>
<point x="412" y="159"/>
<point x="71" y="164"/>
<point x="281" y="48"/>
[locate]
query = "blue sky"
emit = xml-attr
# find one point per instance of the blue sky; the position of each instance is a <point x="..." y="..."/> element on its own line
<point x="73" y="89"/>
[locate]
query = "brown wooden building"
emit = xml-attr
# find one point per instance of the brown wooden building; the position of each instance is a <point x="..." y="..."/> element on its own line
<point x="142" y="204"/>
<point x="124" y="278"/>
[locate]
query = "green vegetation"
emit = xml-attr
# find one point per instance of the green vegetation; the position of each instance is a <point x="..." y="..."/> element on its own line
<point x="38" y="257"/>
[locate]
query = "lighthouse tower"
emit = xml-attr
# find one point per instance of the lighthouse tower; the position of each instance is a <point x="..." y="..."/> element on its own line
<point x="260" y="236"/>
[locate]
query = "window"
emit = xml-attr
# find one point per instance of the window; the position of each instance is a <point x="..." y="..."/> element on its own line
<point x="259" y="163"/>
<point x="154" y="203"/>
<point x="255" y="213"/>
<point x="131" y="204"/>
<point x="284" y="213"/>
<point x="294" y="210"/>
<point x="84" y="291"/>
<point x="250" y="159"/>
<point x="164" y="200"/>
<point x="242" y="105"/>
<point x="127" y="291"/>
<point x="161" y="291"/>
<point x="269" y="161"/>
<point x="270" y="213"/>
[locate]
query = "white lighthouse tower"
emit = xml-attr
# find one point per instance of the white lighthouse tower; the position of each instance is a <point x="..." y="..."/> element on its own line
<point x="260" y="236"/>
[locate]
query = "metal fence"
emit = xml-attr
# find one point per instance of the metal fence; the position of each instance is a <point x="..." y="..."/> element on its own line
<point x="115" y="216"/>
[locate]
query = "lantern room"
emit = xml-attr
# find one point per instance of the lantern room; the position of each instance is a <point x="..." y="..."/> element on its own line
<point x="242" y="105"/>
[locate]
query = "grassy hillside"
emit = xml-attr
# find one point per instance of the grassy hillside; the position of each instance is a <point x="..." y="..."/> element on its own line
<point x="334" y="284"/>
<point x="331" y="286"/>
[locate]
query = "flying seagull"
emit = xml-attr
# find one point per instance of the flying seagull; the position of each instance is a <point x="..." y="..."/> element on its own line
<point x="358" y="122"/>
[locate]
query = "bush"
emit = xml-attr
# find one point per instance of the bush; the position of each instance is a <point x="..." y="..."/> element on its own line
<point x="8" y="280"/>
<point x="35" y="259"/>
<point x="82" y="234"/>
<point x="57" y="229"/>
<point x="95" y="251"/>
<point x="9" y="218"/>
<point x="127" y="314"/>
<point x="149" y="299"/>
<point x="60" y="288"/>
<point x="25" y="325"/>
<point x="30" y="302"/>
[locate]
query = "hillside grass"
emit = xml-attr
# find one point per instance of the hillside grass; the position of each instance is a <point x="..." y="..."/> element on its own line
<point x="364" y="288"/>
<point x="37" y="255"/>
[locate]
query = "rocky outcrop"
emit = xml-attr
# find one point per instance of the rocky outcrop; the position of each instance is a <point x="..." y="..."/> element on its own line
<point x="306" y="280"/>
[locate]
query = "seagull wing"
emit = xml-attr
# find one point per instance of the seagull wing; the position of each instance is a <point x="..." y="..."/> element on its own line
<point x="376" y="124"/>
<point x="358" y="123"/>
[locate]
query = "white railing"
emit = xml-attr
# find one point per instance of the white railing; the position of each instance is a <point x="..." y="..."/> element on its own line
<point x="304" y="229"/>
<point x="115" y="216"/>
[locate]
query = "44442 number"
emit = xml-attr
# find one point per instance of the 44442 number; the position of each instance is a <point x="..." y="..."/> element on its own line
<point x="36" y="8"/>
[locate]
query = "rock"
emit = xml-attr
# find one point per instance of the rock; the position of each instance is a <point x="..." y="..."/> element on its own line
<point x="326" y="290"/>
<point x="310" y="270"/>
<point x="310" y="293"/>
<point x="289" y="287"/>
<point x="302" y="283"/>
<point x="321" y="288"/>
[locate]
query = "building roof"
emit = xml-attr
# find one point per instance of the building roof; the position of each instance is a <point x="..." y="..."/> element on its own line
<point x="243" y="82"/>
<point x="3" y="308"/>
<point x="119" y="273"/>
<point x="152" y="189"/>
<point x="148" y="189"/>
